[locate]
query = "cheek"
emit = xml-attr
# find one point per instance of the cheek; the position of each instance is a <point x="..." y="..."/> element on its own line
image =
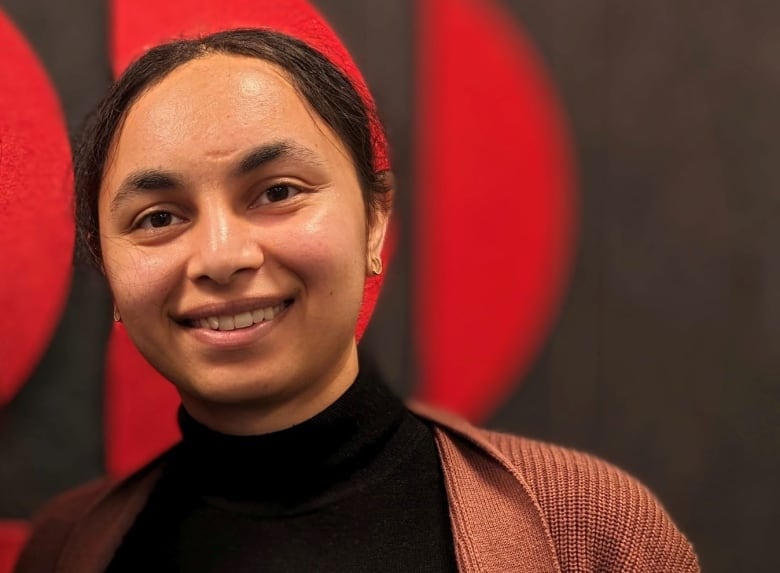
<point x="140" y="279"/>
<point x="333" y="244"/>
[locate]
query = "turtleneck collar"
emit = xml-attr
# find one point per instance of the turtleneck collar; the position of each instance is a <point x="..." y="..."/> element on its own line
<point x="300" y="467"/>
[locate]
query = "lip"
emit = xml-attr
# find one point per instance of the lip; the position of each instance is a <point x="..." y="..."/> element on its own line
<point x="230" y="308"/>
<point x="240" y="337"/>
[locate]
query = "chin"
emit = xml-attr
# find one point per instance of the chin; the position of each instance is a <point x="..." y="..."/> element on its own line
<point x="232" y="390"/>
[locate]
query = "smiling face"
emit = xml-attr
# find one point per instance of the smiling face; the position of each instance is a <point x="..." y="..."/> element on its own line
<point x="235" y="242"/>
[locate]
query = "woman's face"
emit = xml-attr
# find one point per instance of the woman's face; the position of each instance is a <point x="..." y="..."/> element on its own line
<point x="235" y="242"/>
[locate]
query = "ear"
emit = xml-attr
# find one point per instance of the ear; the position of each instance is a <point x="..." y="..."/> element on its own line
<point x="377" y="225"/>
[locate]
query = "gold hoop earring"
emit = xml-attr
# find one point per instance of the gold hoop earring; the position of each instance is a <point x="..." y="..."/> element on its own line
<point x="376" y="265"/>
<point x="117" y="317"/>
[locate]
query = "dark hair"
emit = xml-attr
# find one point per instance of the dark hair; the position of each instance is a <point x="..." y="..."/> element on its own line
<point x="323" y="85"/>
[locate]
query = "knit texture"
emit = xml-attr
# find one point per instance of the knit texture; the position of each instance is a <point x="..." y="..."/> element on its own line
<point x="599" y="518"/>
<point x="494" y="528"/>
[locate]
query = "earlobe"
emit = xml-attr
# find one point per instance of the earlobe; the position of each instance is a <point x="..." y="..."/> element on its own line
<point x="376" y="265"/>
<point x="374" y="252"/>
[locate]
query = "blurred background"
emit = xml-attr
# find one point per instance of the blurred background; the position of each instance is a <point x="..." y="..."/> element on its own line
<point x="585" y="237"/>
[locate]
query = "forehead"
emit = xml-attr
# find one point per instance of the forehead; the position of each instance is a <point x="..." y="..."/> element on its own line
<point x="215" y="107"/>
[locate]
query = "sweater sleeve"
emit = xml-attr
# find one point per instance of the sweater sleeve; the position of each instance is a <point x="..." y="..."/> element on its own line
<point x="52" y="526"/>
<point x="600" y="518"/>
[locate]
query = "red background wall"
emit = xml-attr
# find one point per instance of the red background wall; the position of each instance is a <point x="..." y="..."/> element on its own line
<point x="585" y="244"/>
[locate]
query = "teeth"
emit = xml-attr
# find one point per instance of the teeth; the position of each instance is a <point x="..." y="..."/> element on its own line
<point x="243" y="320"/>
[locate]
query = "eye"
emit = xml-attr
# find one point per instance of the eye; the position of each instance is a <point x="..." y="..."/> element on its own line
<point x="276" y="193"/>
<point x="158" y="219"/>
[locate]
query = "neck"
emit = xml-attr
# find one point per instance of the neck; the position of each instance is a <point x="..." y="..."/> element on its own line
<point x="305" y="465"/>
<point x="298" y="402"/>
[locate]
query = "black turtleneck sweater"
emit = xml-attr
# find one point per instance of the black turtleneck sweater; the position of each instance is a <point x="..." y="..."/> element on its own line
<point x="356" y="488"/>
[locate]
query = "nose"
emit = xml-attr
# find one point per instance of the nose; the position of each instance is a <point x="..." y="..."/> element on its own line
<point x="224" y="246"/>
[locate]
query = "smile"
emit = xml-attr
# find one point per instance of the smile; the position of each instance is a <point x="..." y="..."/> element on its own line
<point x="241" y="320"/>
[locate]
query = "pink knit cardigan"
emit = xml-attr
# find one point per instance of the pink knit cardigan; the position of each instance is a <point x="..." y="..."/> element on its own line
<point x="516" y="505"/>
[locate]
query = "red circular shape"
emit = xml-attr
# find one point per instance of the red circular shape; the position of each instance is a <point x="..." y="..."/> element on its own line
<point x="495" y="205"/>
<point x="36" y="223"/>
<point x="140" y="408"/>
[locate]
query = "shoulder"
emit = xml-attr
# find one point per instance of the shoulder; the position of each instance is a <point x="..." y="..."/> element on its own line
<point x="54" y="523"/>
<point x="103" y="504"/>
<point x="599" y="517"/>
<point x="596" y="511"/>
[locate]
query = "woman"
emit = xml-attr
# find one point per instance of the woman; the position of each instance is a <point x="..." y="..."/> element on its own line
<point x="234" y="191"/>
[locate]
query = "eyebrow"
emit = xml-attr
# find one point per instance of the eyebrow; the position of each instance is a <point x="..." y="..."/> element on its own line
<point x="265" y="154"/>
<point x="144" y="180"/>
